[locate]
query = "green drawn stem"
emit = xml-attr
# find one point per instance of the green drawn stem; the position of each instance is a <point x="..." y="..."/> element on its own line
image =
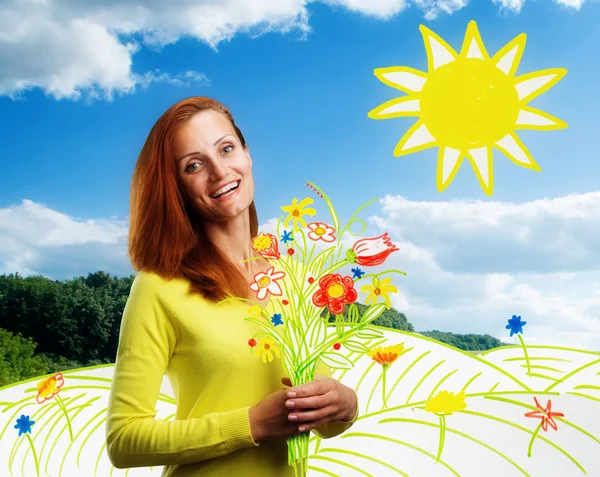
<point x="383" y="387"/>
<point x="62" y="406"/>
<point x="442" y="436"/>
<point x="537" y="431"/>
<point x="37" y="465"/>
<point x="526" y="355"/>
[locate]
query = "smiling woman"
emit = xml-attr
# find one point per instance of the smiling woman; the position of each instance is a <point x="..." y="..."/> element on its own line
<point x="192" y="223"/>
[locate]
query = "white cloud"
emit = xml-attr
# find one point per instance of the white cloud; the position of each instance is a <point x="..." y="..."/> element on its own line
<point x="456" y="280"/>
<point x="516" y="5"/>
<point x="73" y="49"/>
<point x="35" y="239"/>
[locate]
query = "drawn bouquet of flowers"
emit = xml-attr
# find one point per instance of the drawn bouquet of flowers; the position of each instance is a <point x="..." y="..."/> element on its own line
<point x="314" y="291"/>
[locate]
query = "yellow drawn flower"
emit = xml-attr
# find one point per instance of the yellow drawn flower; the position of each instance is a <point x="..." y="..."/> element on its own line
<point x="49" y="387"/>
<point x="386" y="356"/>
<point x="254" y="311"/>
<point x="297" y="210"/>
<point x="266" y="348"/>
<point x="445" y="403"/>
<point x="379" y="289"/>
<point x="467" y="104"/>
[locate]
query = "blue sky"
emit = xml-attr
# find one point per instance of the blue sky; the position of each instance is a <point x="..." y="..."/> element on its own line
<point x="302" y="104"/>
<point x="301" y="93"/>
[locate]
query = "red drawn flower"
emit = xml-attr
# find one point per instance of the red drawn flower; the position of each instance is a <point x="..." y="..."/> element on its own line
<point x="290" y="251"/>
<point x="545" y="414"/>
<point x="252" y="342"/>
<point x="369" y="252"/>
<point x="337" y="346"/>
<point x="335" y="291"/>
<point x="311" y="280"/>
<point x="284" y="302"/>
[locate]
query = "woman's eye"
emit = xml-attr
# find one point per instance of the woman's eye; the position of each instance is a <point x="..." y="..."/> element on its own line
<point x="227" y="149"/>
<point x="187" y="169"/>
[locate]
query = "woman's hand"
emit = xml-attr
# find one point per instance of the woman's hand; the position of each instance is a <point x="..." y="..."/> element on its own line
<point x="320" y="401"/>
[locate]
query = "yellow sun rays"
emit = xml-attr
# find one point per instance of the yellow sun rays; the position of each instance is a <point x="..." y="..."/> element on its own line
<point x="468" y="104"/>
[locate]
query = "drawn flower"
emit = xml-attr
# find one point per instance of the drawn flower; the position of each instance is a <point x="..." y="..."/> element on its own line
<point x="276" y="319"/>
<point x="443" y="404"/>
<point x="266" y="348"/>
<point x="321" y="231"/>
<point x="267" y="283"/>
<point x="335" y="291"/>
<point x="254" y="311"/>
<point x="24" y="427"/>
<point x="357" y="273"/>
<point x="379" y="289"/>
<point x="547" y="418"/>
<point x="545" y="414"/>
<point x="284" y="302"/>
<point x="252" y="342"/>
<point x="49" y="387"/>
<point x="297" y="210"/>
<point x="385" y="356"/>
<point x="290" y="251"/>
<point x="515" y="325"/>
<point x="337" y="346"/>
<point x="369" y="252"/>
<point x="311" y="280"/>
<point x="286" y="237"/>
<point x="446" y="403"/>
<point x="24" y="424"/>
<point x="266" y="246"/>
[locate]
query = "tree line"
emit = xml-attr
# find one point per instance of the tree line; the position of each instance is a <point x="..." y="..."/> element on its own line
<point x="51" y="325"/>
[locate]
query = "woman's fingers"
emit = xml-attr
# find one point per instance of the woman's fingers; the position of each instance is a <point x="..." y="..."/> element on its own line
<point x="312" y="415"/>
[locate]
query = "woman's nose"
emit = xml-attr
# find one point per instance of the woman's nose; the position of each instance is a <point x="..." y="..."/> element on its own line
<point x="218" y="172"/>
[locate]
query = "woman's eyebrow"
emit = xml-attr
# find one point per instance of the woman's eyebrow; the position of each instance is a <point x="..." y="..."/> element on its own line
<point x="196" y="152"/>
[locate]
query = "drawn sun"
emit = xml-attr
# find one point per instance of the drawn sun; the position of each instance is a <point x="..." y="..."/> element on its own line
<point x="468" y="104"/>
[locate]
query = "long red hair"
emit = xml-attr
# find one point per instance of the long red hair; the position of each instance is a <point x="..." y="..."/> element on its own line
<point x="166" y="235"/>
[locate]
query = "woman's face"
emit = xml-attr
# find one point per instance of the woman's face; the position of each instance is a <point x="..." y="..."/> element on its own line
<point x="209" y="156"/>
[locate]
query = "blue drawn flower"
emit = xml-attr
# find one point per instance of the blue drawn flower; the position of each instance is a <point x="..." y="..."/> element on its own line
<point x="357" y="273"/>
<point x="24" y="424"/>
<point x="276" y="319"/>
<point x="515" y="325"/>
<point x="286" y="237"/>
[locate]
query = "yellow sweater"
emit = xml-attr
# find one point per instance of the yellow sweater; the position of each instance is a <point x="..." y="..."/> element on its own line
<point x="203" y="348"/>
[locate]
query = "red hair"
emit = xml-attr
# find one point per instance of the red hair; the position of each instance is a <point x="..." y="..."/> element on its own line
<point x="166" y="235"/>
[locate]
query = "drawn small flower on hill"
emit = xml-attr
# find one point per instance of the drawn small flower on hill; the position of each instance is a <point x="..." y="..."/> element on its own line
<point x="515" y="325"/>
<point x="385" y="356"/>
<point x="357" y="273"/>
<point x="266" y="348"/>
<point x="266" y="246"/>
<point x="297" y="210"/>
<point x="335" y="291"/>
<point x="546" y="414"/>
<point x="50" y="387"/>
<point x="267" y="283"/>
<point x="24" y="426"/>
<point x="444" y="404"/>
<point x="321" y="231"/>
<point x="377" y="289"/>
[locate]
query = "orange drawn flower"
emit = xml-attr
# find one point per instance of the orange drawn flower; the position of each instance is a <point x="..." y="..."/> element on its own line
<point x="545" y="414"/>
<point x="49" y="387"/>
<point x="335" y="291"/>
<point x="386" y="356"/>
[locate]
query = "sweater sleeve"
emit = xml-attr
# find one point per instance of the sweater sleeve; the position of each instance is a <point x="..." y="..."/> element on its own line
<point x="134" y="438"/>
<point x="334" y="428"/>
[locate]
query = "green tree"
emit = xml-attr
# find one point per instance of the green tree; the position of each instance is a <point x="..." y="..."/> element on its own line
<point x="17" y="358"/>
